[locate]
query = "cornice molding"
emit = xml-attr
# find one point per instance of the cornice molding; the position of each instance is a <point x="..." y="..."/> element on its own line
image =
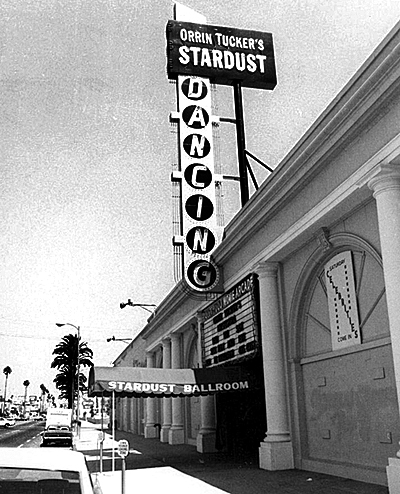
<point x="366" y="94"/>
<point x="359" y="179"/>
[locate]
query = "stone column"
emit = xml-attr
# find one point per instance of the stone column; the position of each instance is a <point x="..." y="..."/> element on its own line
<point x="149" y="429"/>
<point x="167" y="403"/>
<point x="176" y="432"/>
<point x="207" y="434"/>
<point x="276" y="451"/>
<point x="386" y="190"/>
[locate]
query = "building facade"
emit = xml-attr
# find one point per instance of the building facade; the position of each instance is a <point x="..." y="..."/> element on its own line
<point x="321" y="239"/>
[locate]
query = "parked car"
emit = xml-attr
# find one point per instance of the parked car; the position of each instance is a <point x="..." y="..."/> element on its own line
<point x="58" y="427"/>
<point x="58" y="435"/>
<point x="6" y="422"/>
<point x="41" y="470"/>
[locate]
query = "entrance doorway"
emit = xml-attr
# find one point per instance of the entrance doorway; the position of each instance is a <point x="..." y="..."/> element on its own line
<point x="241" y="418"/>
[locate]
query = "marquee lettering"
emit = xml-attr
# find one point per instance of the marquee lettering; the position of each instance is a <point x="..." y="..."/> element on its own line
<point x="215" y="387"/>
<point x="194" y="89"/>
<point x="202" y="273"/>
<point x="196" y="146"/>
<point x="138" y="387"/>
<point x="200" y="240"/>
<point x="195" y="117"/>
<point x="198" y="176"/>
<point x="167" y="388"/>
<point x="199" y="207"/>
<point x="200" y="233"/>
<point x="224" y="60"/>
<point x="225" y="55"/>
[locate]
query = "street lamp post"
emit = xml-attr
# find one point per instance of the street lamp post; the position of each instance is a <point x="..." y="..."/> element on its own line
<point x="78" y="329"/>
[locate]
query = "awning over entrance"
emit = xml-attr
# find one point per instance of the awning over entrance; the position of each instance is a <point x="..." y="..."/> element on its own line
<point x="149" y="382"/>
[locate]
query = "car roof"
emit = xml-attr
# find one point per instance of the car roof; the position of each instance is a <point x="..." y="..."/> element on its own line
<point x="46" y="459"/>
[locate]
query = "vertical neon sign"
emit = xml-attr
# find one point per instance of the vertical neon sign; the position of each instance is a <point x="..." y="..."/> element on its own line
<point x="200" y="234"/>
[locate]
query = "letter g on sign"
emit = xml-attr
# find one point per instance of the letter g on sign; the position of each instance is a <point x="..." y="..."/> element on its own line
<point x="203" y="275"/>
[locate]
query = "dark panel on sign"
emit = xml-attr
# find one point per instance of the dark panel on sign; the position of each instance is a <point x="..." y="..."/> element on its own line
<point x="223" y="54"/>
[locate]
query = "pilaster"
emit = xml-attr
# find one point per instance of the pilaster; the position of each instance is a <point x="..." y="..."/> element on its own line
<point x="276" y="451"/>
<point x="206" y="437"/>
<point x="176" y="434"/>
<point x="149" y="429"/>
<point x="167" y="404"/>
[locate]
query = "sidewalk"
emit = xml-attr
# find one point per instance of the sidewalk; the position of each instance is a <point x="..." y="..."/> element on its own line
<point x="180" y="468"/>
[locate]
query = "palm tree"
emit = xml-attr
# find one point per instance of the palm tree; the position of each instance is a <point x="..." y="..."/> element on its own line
<point x="26" y="383"/>
<point x="6" y="371"/>
<point x="71" y="353"/>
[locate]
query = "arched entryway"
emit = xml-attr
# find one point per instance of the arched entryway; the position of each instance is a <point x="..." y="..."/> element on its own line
<point x="347" y="415"/>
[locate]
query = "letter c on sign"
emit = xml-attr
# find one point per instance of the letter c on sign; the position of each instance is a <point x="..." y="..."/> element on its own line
<point x="198" y="176"/>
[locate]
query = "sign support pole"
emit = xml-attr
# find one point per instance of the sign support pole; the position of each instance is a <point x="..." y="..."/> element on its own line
<point x="113" y="431"/>
<point x="123" y="475"/>
<point x="123" y="451"/>
<point x="241" y="142"/>
<point x="102" y="434"/>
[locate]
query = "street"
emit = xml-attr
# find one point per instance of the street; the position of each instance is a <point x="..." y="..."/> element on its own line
<point x="180" y="468"/>
<point x="23" y="434"/>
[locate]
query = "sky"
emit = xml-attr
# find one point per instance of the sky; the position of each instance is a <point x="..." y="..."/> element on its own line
<point x="86" y="151"/>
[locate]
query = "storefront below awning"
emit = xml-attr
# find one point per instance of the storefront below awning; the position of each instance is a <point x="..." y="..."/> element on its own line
<point x="152" y="382"/>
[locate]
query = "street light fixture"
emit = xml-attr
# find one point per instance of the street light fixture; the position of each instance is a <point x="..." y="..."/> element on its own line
<point x="78" y="329"/>
<point x="113" y="338"/>
<point x="143" y="306"/>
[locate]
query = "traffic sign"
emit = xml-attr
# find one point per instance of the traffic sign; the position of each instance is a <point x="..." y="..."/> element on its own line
<point x="123" y="448"/>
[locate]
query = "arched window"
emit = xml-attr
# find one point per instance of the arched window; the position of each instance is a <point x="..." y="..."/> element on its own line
<point x="370" y="297"/>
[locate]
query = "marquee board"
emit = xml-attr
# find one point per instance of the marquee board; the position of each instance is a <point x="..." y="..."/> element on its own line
<point x="231" y="329"/>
